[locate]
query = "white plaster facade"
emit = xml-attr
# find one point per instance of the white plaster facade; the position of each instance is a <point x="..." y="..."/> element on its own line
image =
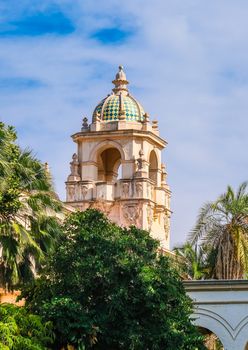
<point x="117" y="167"/>
<point x="222" y="307"/>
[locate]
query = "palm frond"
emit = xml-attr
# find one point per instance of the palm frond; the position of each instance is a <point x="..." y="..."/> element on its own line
<point x="241" y="190"/>
<point x="28" y="209"/>
<point x="201" y="224"/>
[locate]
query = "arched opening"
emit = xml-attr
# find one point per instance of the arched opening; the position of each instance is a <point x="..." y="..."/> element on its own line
<point x="211" y="340"/>
<point x="213" y="323"/>
<point x="109" y="162"/>
<point x="153" y="166"/>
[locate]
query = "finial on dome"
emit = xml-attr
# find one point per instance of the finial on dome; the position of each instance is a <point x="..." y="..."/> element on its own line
<point x="120" y="81"/>
<point x="121" y="74"/>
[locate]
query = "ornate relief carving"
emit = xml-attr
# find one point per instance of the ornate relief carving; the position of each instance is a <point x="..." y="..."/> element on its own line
<point x="131" y="213"/>
<point x="139" y="189"/>
<point x="163" y="175"/>
<point x="101" y="193"/>
<point x="149" y="212"/>
<point x="71" y="193"/>
<point x="102" y="205"/>
<point x="149" y="190"/>
<point x="156" y="214"/>
<point x="125" y="189"/>
<point x="84" y="191"/>
<point x="166" y="226"/>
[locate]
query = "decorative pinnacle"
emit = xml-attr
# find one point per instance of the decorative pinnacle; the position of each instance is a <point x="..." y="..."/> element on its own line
<point x="85" y="124"/>
<point x="120" y="81"/>
<point x="146" y="118"/>
<point x="155" y="125"/>
<point x="121" y="74"/>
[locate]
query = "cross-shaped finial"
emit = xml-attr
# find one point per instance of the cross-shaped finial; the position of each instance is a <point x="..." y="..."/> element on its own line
<point x="85" y="124"/>
<point x="146" y="118"/>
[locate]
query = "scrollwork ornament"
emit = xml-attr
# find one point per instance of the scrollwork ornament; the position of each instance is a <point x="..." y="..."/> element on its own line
<point x="131" y="213"/>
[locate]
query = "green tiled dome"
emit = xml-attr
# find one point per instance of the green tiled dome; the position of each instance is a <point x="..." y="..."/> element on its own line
<point x="109" y="108"/>
<point x="119" y="105"/>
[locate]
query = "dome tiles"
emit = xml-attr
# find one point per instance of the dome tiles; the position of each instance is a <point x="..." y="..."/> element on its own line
<point x="110" y="108"/>
<point x="120" y="104"/>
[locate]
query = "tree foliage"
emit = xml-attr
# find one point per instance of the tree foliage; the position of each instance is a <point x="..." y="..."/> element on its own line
<point x="107" y="287"/>
<point x="20" y="330"/>
<point x="27" y="207"/>
<point x="191" y="261"/>
<point x="222" y="232"/>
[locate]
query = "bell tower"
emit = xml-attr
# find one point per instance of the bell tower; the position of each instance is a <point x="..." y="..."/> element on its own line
<point x="117" y="167"/>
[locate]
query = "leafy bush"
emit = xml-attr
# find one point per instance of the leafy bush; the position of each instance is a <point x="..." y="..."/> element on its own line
<point x="20" y="330"/>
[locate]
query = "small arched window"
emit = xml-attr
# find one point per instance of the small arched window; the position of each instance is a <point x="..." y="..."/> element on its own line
<point x="153" y="166"/>
<point x="108" y="162"/>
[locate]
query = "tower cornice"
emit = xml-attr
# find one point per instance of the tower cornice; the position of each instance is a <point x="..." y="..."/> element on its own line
<point x="117" y="134"/>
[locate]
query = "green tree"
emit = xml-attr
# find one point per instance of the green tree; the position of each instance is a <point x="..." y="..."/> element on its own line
<point x="20" y="330"/>
<point x="27" y="211"/>
<point x="222" y="229"/>
<point x="108" y="287"/>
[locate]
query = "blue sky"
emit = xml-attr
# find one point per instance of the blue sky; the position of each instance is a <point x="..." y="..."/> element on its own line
<point x="186" y="62"/>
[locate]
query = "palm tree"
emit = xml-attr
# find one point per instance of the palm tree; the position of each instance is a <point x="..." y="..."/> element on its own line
<point x="222" y="226"/>
<point x="190" y="260"/>
<point x="28" y="207"/>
